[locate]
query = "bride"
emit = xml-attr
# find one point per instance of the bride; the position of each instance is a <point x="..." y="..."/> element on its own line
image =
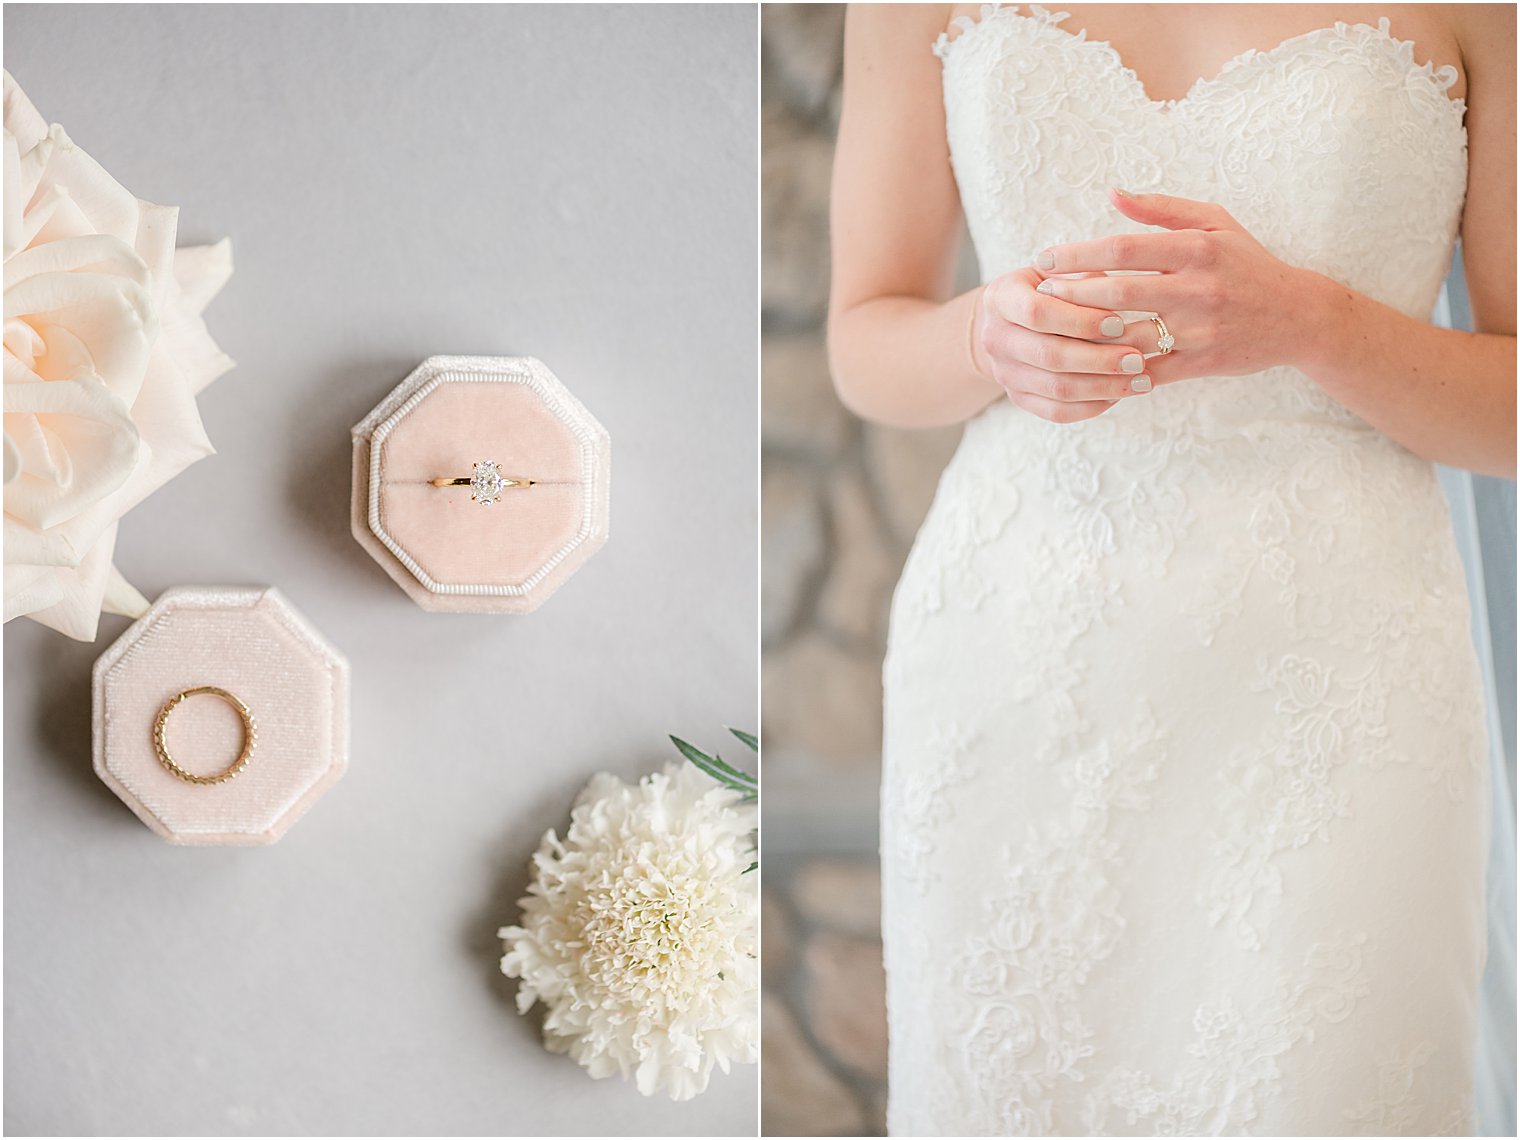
<point x="1185" y="799"/>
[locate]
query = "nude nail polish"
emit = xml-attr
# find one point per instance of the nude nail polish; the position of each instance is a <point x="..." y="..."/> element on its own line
<point x="1112" y="326"/>
<point x="1140" y="384"/>
<point x="1122" y="193"/>
<point x="1045" y="287"/>
<point x="1046" y="259"/>
<point x="1134" y="362"/>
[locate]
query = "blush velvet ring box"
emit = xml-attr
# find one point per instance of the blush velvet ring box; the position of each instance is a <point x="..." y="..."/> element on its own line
<point x="212" y="677"/>
<point x="480" y="484"/>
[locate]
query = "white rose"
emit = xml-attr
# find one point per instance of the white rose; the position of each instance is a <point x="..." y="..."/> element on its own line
<point x="105" y="351"/>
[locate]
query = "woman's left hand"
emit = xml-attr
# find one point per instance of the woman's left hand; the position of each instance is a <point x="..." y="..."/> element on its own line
<point x="1231" y="306"/>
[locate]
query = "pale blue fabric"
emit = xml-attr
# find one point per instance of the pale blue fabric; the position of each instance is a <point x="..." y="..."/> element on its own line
<point x="1483" y="518"/>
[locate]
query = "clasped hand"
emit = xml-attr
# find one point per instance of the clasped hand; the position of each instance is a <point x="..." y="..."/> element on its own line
<point x="1050" y="335"/>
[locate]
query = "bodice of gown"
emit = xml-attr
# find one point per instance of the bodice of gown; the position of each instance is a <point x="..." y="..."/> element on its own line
<point x="1334" y="149"/>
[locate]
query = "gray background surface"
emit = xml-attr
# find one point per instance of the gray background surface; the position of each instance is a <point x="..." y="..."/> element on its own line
<point x="577" y="183"/>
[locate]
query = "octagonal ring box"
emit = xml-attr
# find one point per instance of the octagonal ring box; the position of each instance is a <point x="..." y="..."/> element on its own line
<point x="252" y="643"/>
<point x="446" y="550"/>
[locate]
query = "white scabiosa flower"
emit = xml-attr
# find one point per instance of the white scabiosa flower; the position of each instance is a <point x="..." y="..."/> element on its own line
<point x="639" y="932"/>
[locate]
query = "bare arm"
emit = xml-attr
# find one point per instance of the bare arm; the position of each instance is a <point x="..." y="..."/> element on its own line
<point x="903" y="350"/>
<point x="898" y="342"/>
<point x="1448" y="396"/>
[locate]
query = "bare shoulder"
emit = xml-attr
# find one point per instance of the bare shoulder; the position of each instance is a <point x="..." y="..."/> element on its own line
<point x="1485" y="34"/>
<point x="891" y="26"/>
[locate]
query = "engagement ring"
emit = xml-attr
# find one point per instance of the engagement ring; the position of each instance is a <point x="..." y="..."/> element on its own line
<point x="161" y="746"/>
<point x="487" y="484"/>
<point x="1165" y="341"/>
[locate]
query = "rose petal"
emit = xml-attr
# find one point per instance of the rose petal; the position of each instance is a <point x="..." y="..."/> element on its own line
<point x="21" y="118"/>
<point x="77" y="613"/>
<point x="201" y="271"/>
<point x="154" y="244"/>
<point x="108" y="205"/>
<point x="24" y="343"/>
<point x="56" y="354"/>
<point x="28" y="546"/>
<point x="189" y="342"/>
<point x="171" y="438"/>
<point x="53" y="216"/>
<point x="88" y="435"/>
<point x="99" y="253"/>
<point x="15" y="198"/>
<point x="12" y="458"/>
<point x="29" y="589"/>
<point x="121" y="597"/>
<point x="109" y="316"/>
<point x="167" y="416"/>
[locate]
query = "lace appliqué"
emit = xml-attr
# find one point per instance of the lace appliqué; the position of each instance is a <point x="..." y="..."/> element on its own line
<point x="1041" y="120"/>
<point x="1232" y="1065"/>
<point x="1280" y="794"/>
<point x="975" y="516"/>
<point x="1052" y="918"/>
<point x="1395" y="1110"/>
<point x="918" y="803"/>
<point x="1400" y="1101"/>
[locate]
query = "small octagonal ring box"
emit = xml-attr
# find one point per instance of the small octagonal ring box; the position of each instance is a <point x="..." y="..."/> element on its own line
<point x="480" y="548"/>
<point x="253" y="644"/>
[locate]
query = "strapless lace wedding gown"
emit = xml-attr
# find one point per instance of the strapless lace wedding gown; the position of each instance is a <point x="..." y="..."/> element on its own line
<point x="1185" y="813"/>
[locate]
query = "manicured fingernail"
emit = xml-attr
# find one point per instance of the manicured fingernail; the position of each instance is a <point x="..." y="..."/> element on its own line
<point x="1134" y="362"/>
<point x="1045" y="287"/>
<point x="1140" y="384"/>
<point x="1112" y="326"/>
<point x="1046" y="260"/>
<point x="1122" y="193"/>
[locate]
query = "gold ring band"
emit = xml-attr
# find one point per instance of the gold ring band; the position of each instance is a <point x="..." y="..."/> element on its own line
<point x="1165" y="341"/>
<point x="250" y="735"/>
<point x="487" y="483"/>
<point x="468" y="481"/>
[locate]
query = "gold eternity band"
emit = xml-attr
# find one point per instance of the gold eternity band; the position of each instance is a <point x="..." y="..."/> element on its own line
<point x="250" y="735"/>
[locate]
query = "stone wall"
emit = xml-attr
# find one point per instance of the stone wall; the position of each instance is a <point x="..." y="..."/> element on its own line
<point x="842" y="501"/>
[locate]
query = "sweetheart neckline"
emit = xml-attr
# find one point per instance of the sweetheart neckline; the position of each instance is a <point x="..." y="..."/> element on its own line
<point x="1043" y="17"/>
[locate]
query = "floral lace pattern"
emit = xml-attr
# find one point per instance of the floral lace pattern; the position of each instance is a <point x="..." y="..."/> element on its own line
<point x="1184" y="809"/>
<point x="1232" y="1066"/>
<point x="1053" y="916"/>
<point x="1393" y="1112"/>
<point x="918" y="803"/>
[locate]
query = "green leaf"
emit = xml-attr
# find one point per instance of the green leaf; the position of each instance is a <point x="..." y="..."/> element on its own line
<point x="748" y="738"/>
<point x="715" y="767"/>
<point x="737" y="774"/>
<point x="699" y="758"/>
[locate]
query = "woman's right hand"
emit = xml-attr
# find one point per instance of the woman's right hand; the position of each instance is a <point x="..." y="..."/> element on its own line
<point x="1047" y="354"/>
